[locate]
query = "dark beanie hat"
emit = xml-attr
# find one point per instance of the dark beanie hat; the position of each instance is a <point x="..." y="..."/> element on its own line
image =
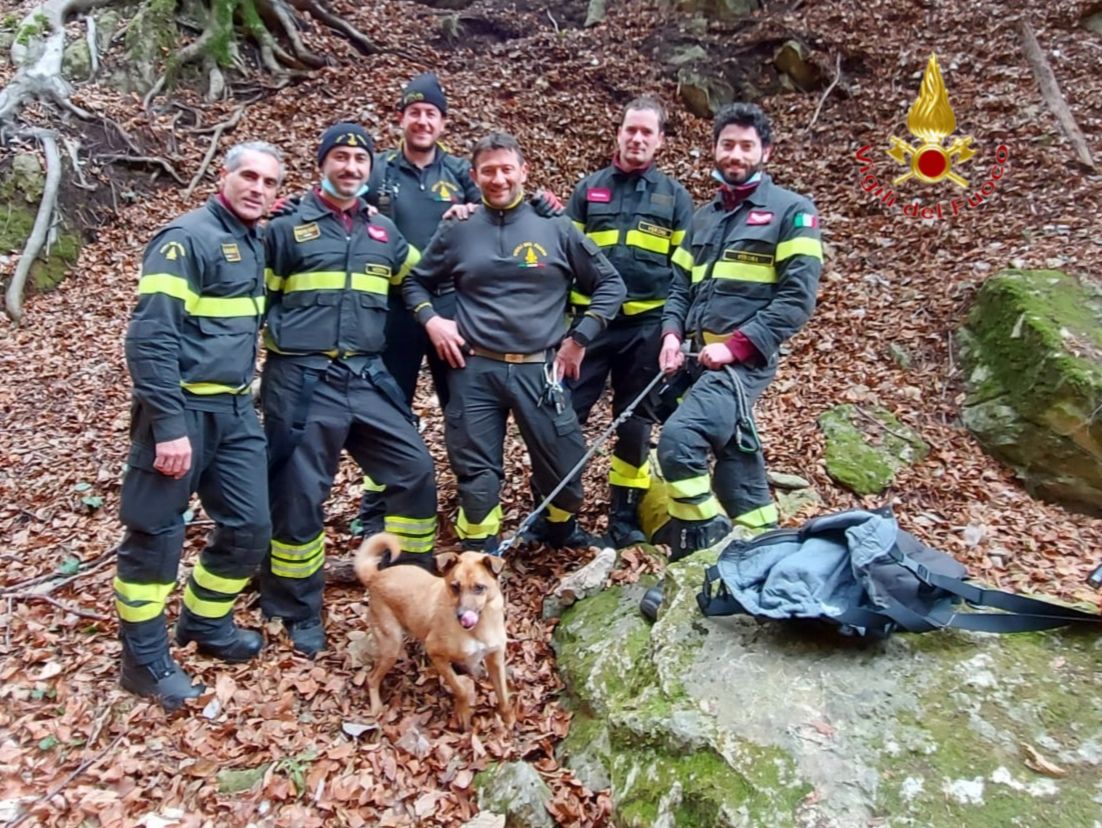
<point x="344" y="135"/>
<point x="425" y="88"/>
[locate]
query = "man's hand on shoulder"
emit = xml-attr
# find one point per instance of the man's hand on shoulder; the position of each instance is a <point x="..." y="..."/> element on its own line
<point x="546" y="204"/>
<point x="173" y="457"/>
<point x="460" y="211"/>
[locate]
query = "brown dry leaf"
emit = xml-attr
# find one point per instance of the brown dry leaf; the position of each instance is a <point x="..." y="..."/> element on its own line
<point x="1039" y="764"/>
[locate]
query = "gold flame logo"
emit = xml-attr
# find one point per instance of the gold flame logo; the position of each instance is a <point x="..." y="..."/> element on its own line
<point x="931" y="120"/>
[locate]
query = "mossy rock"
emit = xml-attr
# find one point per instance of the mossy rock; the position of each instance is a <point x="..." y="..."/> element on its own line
<point x="1032" y="353"/>
<point x="865" y="449"/>
<point x="21" y="188"/>
<point x="724" y="721"/>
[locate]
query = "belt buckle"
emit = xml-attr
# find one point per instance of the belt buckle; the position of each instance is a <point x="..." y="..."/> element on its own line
<point x="514" y="358"/>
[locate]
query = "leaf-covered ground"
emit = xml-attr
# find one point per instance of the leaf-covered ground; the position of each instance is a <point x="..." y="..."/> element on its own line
<point x="890" y="283"/>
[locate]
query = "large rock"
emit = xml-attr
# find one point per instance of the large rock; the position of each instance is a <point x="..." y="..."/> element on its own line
<point x="1032" y="351"/>
<point x="727" y="722"/>
<point x="21" y="187"/>
<point x="515" y="790"/>
<point x="76" y="61"/>
<point x="865" y="449"/>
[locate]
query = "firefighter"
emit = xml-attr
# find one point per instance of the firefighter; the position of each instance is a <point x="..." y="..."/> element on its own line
<point x="191" y="350"/>
<point x="325" y="386"/>
<point x="747" y="279"/>
<point x="638" y="216"/>
<point x="509" y="347"/>
<point x="414" y="186"/>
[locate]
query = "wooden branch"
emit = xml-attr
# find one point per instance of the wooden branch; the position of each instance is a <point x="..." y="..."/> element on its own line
<point x="94" y="565"/>
<point x="152" y="160"/>
<point x="1050" y="91"/>
<point x="13" y="298"/>
<point x="829" y="89"/>
<point x="228" y="124"/>
<point x="49" y="599"/>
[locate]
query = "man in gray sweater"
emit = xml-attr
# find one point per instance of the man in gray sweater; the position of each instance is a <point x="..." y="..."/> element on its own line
<point x="509" y="343"/>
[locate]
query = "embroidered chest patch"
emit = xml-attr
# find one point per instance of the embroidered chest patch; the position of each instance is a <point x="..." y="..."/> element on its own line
<point x="655" y="230"/>
<point x="759" y="217"/>
<point x="602" y="195"/>
<point x="307" y="232"/>
<point x="231" y="253"/>
<point x="377" y="233"/>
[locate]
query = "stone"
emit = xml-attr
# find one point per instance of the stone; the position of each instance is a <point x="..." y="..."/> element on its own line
<point x="595" y="13"/>
<point x="720" y="722"/>
<point x="797" y="503"/>
<point x="1032" y="355"/>
<point x="21" y="188"/>
<point x="1093" y="22"/>
<point x="703" y="93"/>
<point x="26" y="178"/>
<point x="792" y="59"/>
<point x="681" y="55"/>
<point x="865" y="449"/>
<point x="715" y="9"/>
<point x="107" y="23"/>
<point x="580" y="584"/>
<point x="784" y="480"/>
<point x="76" y="61"/>
<point x="515" y="790"/>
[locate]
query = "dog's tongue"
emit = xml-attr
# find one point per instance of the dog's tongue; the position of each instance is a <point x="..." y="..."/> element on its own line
<point x="468" y="618"/>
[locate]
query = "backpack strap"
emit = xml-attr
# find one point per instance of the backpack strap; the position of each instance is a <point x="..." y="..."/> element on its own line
<point x="1020" y="614"/>
<point x="722" y="603"/>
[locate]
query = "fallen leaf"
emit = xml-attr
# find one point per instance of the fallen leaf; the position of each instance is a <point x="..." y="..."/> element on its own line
<point x="1039" y="764"/>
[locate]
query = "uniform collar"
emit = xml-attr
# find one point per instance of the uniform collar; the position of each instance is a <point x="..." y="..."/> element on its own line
<point x="228" y="218"/>
<point x="648" y="173"/>
<point x="509" y="215"/>
<point x="759" y="197"/>
<point x="312" y="207"/>
<point x="438" y="153"/>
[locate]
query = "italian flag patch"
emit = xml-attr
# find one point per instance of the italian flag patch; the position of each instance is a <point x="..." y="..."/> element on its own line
<point x="806" y="220"/>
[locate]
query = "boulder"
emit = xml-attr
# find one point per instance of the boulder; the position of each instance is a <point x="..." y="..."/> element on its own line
<point x="76" y="61"/>
<point x="21" y="187"/>
<point x="1032" y="353"/>
<point x="516" y="791"/>
<point x="703" y="91"/>
<point x="581" y="583"/>
<point x="728" y="722"/>
<point x="865" y="449"/>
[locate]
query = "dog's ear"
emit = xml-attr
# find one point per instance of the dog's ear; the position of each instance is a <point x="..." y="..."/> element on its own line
<point x="445" y="561"/>
<point x="494" y="563"/>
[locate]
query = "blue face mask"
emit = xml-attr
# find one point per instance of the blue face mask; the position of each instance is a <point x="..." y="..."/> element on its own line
<point x="327" y="187"/>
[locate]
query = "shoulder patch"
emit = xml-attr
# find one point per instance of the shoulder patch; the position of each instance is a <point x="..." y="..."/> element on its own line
<point x="307" y="232"/>
<point x="806" y="220"/>
<point x="601" y="195"/>
<point x="378" y="233"/>
<point x="172" y="251"/>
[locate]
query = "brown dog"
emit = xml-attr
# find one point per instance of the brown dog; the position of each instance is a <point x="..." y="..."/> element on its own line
<point x="459" y="618"/>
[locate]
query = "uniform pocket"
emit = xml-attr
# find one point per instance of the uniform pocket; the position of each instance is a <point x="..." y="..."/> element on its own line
<point x="566" y="423"/>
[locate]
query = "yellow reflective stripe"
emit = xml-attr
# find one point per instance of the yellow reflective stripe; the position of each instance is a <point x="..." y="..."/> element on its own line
<point x="140" y="602"/>
<point x="299" y="551"/>
<point x="170" y="285"/>
<point x="369" y="283"/>
<point x="272" y="281"/>
<point x="622" y="473"/>
<point x="418" y="545"/>
<point x="760" y="517"/>
<point x="578" y="298"/>
<point x="283" y="569"/>
<point x="205" y="389"/>
<point x="604" y="238"/>
<point x="225" y="307"/>
<point x="698" y="272"/>
<point x="802" y="246"/>
<point x="490" y="525"/>
<point x="557" y="515"/>
<point x="371" y="486"/>
<point x="677" y="237"/>
<point x="412" y="258"/>
<point x="579" y="224"/>
<point x="400" y="524"/>
<point x="636" y="306"/>
<point x="690" y="487"/>
<point x="655" y="244"/>
<point x="204" y="607"/>
<point x="316" y="280"/>
<point x="684" y="259"/>
<point x="694" y="511"/>
<point x="217" y="583"/>
<point x="744" y="272"/>
<point x="712" y="338"/>
<point x="196" y="305"/>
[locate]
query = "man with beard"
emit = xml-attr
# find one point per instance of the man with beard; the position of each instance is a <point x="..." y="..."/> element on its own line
<point x="325" y="387"/>
<point x="191" y="351"/>
<point x="638" y="216"/>
<point x="747" y="279"/>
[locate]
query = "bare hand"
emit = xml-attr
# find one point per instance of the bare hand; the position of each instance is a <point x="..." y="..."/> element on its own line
<point x="568" y="361"/>
<point x="173" y="458"/>
<point x="447" y="341"/>
<point x="671" y="357"/>
<point x="460" y="211"/>
<point x="372" y="210"/>
<point x="715" y="356"/>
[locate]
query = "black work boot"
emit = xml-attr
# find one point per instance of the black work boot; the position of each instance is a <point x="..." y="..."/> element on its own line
<point x="651" y="601"/>
<point x="161" y="679"/>
<point x="307" y="636"/>
<point x="687" y="536"/>
<point x="370" y="520"/>
<point x="490" y="545"/>
<point x="569" y="535"/>
<point x="623" y="517"/>
<point x="218" y="637"/>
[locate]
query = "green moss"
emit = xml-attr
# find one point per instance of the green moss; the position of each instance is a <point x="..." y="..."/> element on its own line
<point x="866" y="458"/>
<point x="153" y="33"/>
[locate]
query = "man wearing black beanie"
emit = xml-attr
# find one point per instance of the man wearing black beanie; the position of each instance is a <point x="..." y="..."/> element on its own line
<point x="325" y="388"/>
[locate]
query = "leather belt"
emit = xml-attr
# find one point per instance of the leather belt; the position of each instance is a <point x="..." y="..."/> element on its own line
<point x="539" y="356"/>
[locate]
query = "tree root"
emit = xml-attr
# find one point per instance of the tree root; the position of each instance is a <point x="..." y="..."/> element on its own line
<point x="150" y="160"/>
<point x="43" y="221"/>
<point x="315" y="8"/>
<point x="226" y="125"/>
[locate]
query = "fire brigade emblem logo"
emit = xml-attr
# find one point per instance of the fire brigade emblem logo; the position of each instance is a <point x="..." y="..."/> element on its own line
<point x="931" y="121"/>
<point x="530" y="254"/>
<point x="172" y="251"/>
<point x="445" y="190"/>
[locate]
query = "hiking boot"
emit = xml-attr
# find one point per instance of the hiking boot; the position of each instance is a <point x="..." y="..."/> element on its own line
<point x="687" y="536"/>
<point x="490" y="545"/>
<point x="370" y="520"/>
<point x="623" y="517"/>
<point x="565" y="535"/>
<point x="162" y="679"/>
<point x="218" y="638"/>
<point x="651" y="601"/>
<point x="307" y="636"/>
